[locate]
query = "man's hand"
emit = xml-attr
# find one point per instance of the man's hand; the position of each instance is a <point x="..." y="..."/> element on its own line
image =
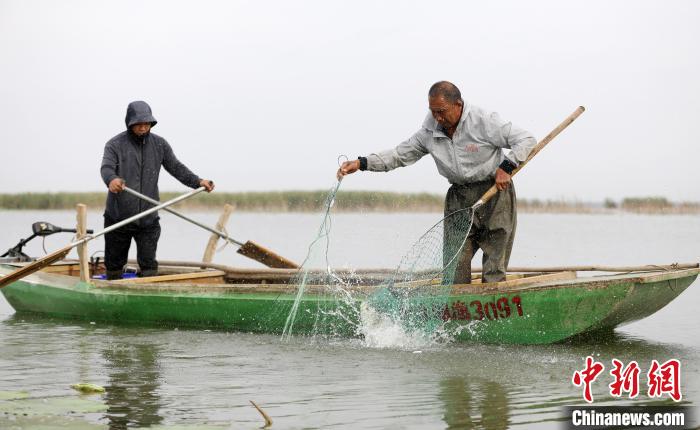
<point x="207" y="184"/>
<point x="116" y="185"/>
<point x="347" y="168"/>
<point x="502" y="179"/>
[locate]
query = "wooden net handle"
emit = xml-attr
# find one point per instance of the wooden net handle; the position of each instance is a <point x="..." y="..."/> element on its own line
<point x="552" y="134"/>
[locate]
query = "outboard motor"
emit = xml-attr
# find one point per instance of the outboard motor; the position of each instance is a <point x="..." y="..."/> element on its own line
<point x="40" y="228"/>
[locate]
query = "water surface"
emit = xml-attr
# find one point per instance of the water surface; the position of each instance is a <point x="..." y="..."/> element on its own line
<point x="167" y="377"/>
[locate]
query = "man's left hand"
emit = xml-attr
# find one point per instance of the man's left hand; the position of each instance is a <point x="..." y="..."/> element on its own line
<point x="502" y="179"/>
<point x="207" y="184"/>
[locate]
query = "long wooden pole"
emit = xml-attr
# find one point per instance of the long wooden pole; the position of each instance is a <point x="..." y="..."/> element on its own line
<point x="548" y="138"/>
<point x="647" y="268"/>
<point x="178" y="214"/>
<point x="249" y="249"/>
<point x="61" y="253"/>
<point x="581" y="268"/>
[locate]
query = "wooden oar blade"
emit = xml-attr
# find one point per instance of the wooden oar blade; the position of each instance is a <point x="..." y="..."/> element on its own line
<point x="263" y="255"/>
<point x="35" y="266"/>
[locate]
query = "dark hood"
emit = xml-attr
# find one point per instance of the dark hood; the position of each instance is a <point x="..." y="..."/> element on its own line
<point x="137" y="112"/>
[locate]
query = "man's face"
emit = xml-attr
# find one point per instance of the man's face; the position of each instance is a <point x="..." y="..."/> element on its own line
<point x="445" y="113"/>
<point x="141" y="128"/>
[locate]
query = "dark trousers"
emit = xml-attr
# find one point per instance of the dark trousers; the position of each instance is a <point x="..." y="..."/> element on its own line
<point x="493" y="229"/>
<point x="118" y="242"/>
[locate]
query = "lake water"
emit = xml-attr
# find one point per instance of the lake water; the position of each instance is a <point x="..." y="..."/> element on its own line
<point x="170" y="378"/>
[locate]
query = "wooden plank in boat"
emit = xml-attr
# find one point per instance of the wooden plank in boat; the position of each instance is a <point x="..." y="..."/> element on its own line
<point x="515" y="282"/>
<point x="206" y="277"/>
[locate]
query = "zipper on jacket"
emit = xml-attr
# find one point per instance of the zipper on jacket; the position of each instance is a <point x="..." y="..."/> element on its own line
<point x="458" y="171"/>
<point x="141" y="177"/>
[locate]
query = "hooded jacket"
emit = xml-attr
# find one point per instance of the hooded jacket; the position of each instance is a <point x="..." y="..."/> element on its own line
<point x="137" y="160"/>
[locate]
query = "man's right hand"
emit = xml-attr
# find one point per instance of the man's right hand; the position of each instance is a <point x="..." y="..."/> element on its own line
<point x="347" y="168"/>
<point x="116" y="185"/>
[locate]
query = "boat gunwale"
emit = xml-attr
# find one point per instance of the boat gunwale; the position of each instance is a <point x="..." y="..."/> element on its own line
<point x="477" y="289"/>
<point x="597" y="281"/>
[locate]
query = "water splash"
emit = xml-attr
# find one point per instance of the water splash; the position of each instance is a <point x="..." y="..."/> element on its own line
<point x="404" y="311"/>
<point x="415" y="296"/>
<point x="380" y="330"/>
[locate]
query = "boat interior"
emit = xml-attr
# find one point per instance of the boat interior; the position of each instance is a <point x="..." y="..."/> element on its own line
<point x="174" y="275"/>
<point x="195" y="273"/>
<point x="205" y="273"/>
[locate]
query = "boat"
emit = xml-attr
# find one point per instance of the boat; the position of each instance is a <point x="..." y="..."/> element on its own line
<point x="532" y="306"/>
<point x="529" y="307"/>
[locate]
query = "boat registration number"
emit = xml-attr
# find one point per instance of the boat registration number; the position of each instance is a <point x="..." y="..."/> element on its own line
<point x="478" y="310"/>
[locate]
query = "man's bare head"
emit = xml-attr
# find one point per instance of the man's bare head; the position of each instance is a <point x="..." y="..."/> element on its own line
<point x="447" y="90"/>
<point x="445" y="102"/>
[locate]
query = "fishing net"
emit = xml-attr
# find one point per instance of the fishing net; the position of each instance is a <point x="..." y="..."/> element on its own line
<point x="413" y="296"/>
<point x="416" y="295"/>
<point x="323" y="303"/>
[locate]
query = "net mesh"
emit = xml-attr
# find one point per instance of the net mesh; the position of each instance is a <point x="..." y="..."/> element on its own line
<point x="417" y="293"/>
<point x="413" y="296"/>
<point x="329" y="288"/>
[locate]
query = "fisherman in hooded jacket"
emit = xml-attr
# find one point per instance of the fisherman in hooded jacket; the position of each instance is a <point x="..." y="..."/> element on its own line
<point x="133" y="158"/>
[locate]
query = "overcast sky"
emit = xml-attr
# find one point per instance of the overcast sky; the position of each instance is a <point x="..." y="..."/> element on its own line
<point x="264" y="95"/>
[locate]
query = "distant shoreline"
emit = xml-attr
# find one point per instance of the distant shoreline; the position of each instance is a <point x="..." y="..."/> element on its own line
<point x="346" y="201"/>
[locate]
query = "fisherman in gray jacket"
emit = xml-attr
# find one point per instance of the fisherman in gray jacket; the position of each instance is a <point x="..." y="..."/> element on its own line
<point x="467" y="144"/>
<point x="133" y="158"/>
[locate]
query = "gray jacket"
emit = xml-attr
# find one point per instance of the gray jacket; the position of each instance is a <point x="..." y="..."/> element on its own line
<point x="472" y="155"/>
<point x="137" y="161"/>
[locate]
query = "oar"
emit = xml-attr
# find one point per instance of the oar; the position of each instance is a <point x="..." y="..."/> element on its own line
<point x="61" y="253"/>
<point x="249" y="249"/>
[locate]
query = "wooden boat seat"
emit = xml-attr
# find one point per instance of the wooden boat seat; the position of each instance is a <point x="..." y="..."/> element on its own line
<point x="517" y="280"/>
<point x="204" y="277"/>
<point x="512" y="280"/>
<point x="167" y="274"/>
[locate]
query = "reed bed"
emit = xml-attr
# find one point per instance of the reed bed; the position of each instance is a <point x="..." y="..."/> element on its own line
<point x="348" y="201"/>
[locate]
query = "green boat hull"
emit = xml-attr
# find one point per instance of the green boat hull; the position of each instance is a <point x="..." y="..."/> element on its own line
<point x="553" y="314"/>
<point x="539" y="313"/>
